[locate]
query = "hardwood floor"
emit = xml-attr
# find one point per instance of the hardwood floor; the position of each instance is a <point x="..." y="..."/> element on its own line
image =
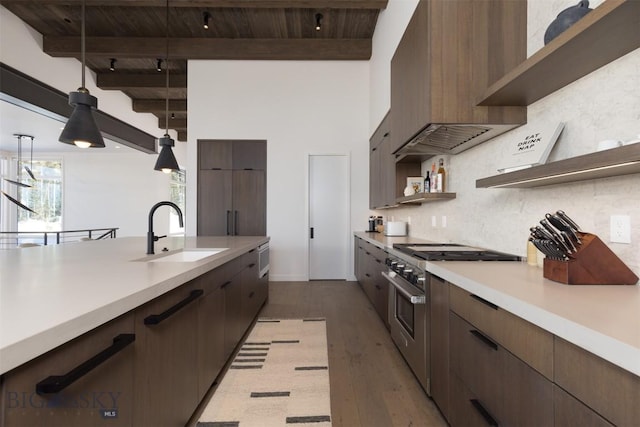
<point x="371" y="385"/>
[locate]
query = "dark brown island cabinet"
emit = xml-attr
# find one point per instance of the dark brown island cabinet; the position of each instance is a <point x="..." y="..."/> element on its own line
<point x="152" y="366"/>
<point x="232" y="191"/>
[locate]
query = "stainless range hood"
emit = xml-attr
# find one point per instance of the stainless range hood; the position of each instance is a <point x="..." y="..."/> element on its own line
<point x="450" y="138"/>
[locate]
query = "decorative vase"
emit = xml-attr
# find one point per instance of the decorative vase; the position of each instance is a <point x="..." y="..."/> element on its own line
<point x="565" y="19"/>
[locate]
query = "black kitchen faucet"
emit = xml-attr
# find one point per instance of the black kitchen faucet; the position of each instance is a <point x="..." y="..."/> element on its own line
<point x="151" y="238"/>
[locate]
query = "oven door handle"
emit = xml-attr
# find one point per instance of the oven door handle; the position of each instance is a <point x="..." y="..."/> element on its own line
<point x="404" y="289"/>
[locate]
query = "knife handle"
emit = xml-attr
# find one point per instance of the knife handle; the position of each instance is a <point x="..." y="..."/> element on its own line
<point x="568" y="220"/>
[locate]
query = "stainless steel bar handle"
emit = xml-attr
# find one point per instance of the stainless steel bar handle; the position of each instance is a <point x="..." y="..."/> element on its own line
<point x="228" y="223"/>
<point x="405" y="289"/>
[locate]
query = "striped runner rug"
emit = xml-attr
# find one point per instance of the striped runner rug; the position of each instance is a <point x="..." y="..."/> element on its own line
<point x="279" y="377"/>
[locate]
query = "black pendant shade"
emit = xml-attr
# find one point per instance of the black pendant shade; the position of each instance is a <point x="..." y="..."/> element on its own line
<point x="166" y="160"/>
<point x="81" y="128"/>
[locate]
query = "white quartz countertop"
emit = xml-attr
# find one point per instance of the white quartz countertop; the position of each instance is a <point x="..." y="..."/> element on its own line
<point x="52" y="294"/>
<point x="604" y="320"/>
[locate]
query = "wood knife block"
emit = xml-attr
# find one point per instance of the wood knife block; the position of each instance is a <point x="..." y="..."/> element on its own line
<point x="593" y="264"/>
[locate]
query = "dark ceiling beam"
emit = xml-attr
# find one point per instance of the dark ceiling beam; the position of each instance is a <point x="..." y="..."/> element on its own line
<point x="27" y="92"/>
<point x="257" y="4"/>
<point x="210" y="48"/>
<point x="113" y="81"/>
<point x="159" y="105"/>
<point x="182" y="135"/>
<point x="178" y="124"/>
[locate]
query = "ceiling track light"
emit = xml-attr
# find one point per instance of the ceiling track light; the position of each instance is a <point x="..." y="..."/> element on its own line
<point x="81" y="128"/>
<point x="166" y="162"/>
<point x="112" y="64"/>
<point x="206" y="16"/>
<point x="159" y="65"/>
<point x="318" y="21"/>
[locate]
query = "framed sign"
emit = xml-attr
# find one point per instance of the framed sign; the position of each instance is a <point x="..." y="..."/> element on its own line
<point x="531" y="149"/>
<point x="417" y="183"/>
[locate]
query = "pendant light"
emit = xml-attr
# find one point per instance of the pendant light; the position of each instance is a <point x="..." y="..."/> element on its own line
<point x="81" y="128"/>
<point x="166" y="162"/>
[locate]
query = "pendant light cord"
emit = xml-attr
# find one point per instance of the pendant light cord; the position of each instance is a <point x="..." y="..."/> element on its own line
<point x="82" y="44"/>
<point x="166" y="117"/>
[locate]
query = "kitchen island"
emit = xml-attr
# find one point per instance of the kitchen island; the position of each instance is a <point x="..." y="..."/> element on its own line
<point x="53" y="298"/>
<point x="504" y="335"/>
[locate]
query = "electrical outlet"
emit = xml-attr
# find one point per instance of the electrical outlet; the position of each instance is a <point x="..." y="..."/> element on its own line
<point x="434" y="221"/>
<point x="620" y="229"/>
<point x="444" y="221"/>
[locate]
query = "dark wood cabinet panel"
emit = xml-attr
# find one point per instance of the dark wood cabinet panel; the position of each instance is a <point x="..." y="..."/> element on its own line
<point x="215" y="202"/>
<point x="370" y="265"/>
<point x="211" y="315"/>
<point x="232" y="193"/>
<point x="439" y="291"/>
<point x="249" y="203"/>
<point x="165" y="375"/>
<point x="233" y="330"/>
<point x="105" y="395"/>
<point x="466" y="410"/>
<point x="214" y="154"/>
<point x="509" y="389"/>
<point x="249" y="154"/>
<point x="450" y="53"/>
<point x="608" y="389"/>
<point x="570" y="412"/>
<point x="527" y="341"/>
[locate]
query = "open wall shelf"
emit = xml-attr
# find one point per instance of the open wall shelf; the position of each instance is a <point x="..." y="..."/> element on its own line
<point x="608" y="32"/>
<point x="614" y="162"/>
<point x="420" y="198"/>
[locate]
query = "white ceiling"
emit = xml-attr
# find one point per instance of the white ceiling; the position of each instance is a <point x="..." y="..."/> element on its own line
<point x="45" y="130"/>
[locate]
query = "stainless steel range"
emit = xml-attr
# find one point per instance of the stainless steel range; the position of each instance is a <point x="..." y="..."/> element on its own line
<point x="409" y="305"/>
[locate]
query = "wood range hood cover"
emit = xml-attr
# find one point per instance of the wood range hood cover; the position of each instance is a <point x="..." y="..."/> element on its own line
<point x="449" y="54"/>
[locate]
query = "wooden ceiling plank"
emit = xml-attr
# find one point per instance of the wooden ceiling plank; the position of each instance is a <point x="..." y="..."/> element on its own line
<point x="124" y="81"/>
<point x="254" y="4"/>
<point x="158" y="105"/>
<point x="209" y="48"/>
<point x="173" y="123"/>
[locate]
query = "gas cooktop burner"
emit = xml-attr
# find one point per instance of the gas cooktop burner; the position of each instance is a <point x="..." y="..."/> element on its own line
<point x="452" y="252"/>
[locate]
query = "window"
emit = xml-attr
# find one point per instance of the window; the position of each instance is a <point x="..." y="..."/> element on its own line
<point x="178" y="196"/>
<point x="44" y="196"/>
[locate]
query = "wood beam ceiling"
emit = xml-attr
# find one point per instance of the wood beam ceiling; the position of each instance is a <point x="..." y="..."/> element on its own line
<point x="132" y="32"/>
<point x="254" y="4"/>
<point x="209" y="48"/>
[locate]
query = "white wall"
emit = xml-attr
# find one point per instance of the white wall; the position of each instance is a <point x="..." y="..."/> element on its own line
<point x="603" y="105"/>
<point x="100" y="189"/>
<point x="300" y="108"/>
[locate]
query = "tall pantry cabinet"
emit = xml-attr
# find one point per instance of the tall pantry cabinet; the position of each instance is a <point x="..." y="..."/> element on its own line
<point x="232" y="190"/>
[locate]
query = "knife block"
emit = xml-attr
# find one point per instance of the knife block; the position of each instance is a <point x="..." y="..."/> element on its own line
<point x="593" y="264"/>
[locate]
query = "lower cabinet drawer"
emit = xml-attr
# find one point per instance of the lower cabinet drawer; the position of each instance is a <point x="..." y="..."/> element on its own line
<point x="608" y="389"/>
<point x="503" y="386"/>
<point x="465" y="409"/>
<point x="570" y="412"/>
<point x="527" y="341"/>
<point x="102" y="395"/>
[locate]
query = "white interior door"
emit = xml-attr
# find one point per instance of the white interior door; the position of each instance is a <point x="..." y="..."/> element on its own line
<point x="328" y="217"/>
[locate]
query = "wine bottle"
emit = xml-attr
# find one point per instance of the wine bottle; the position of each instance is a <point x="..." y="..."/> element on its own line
<point x="441" y="177"/>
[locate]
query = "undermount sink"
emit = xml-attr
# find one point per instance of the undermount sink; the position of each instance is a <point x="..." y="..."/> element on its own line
<point x="189" y="255"/>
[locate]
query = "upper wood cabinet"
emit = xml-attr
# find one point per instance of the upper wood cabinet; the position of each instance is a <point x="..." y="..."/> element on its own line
<point x="381" y="167"/>
<point x="450" y="53"/>
<point x="232" y="154"/>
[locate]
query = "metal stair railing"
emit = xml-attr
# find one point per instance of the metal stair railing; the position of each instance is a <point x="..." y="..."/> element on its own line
<point x="13" y="239"/>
